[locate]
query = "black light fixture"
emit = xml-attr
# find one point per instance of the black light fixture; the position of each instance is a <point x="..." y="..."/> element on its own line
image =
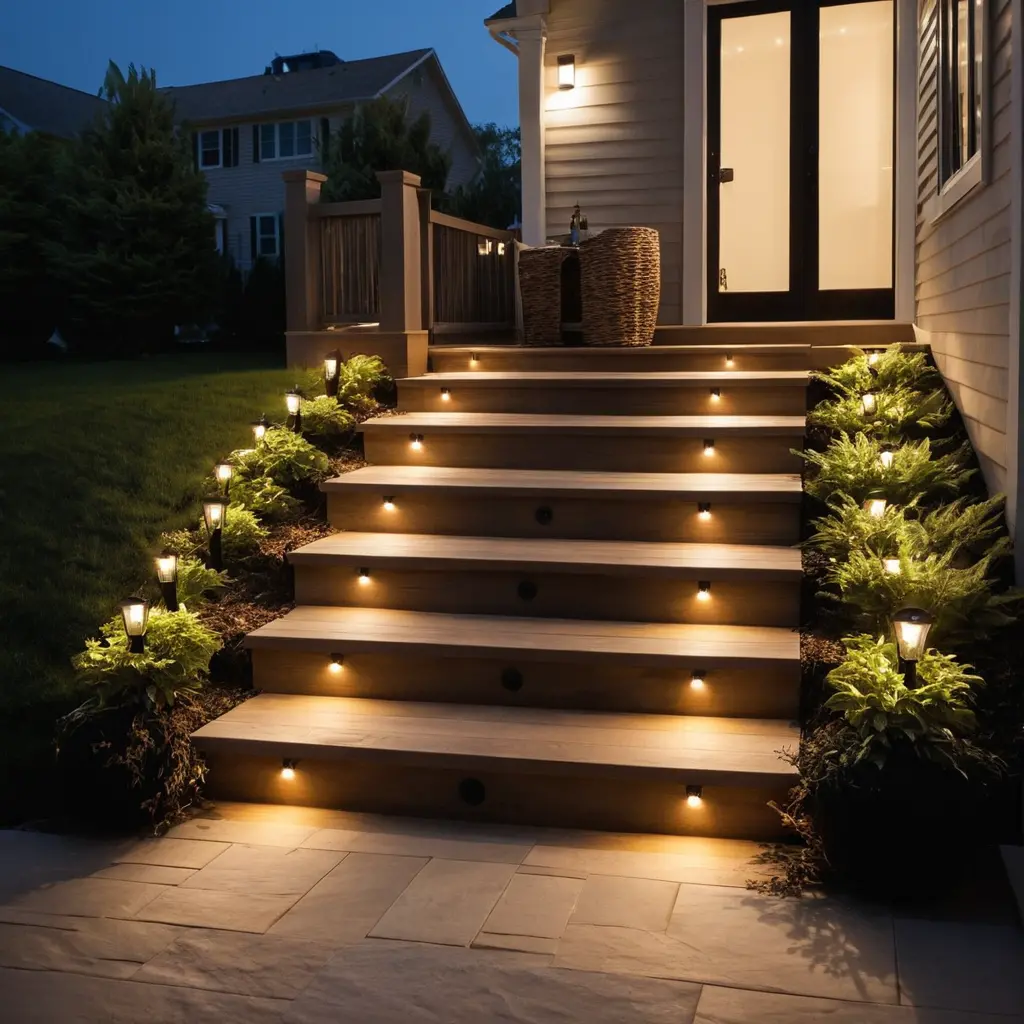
<point x="697" y="679"/>
<point x="446" y="394"/>
<point x="694" y="796"/>
<point x="259" y="429"/>
<point x="704" y="510"/>
<point x="331" y="364"/>
<point x="704" y="590"/>
<point x="224" y="471"/>
<point x="416" y="442"/>
<point x="337" y="663"/>
<point x="364" y="575"/>
<point x="293" y="402"/>
<point x="288" y="766"/>
<point x="167" y="575"/>
<point x="215" y="513"/>
<point x="135" y="615"/>
<point x="911" y="626"/>
<point x="709" y="446"/>
<point x="716" y="394"/>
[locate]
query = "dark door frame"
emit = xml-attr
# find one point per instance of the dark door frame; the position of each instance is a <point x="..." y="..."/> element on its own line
<point x="804" y="300"/>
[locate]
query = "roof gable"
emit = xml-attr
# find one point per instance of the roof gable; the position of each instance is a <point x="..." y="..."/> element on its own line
<point x="46" y="106"/>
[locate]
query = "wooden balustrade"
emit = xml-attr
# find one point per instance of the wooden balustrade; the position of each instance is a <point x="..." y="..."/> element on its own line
<point x="350" y="242"/>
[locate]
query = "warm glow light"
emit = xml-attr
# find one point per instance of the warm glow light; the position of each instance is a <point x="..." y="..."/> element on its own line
<point x="694" y="796"/>
<point x="501" y="248"/>
<point x="415" y="442"/>
<point x="337" y="663"/>
<point x="389" y="504"/>
<point x="293" y="401"/>
<point x="483" y="247"/>
<point x="704" y="510"/>
<point x="224" y="471"/>
<point x="288" y="769"/>
<point x="259" y="429"/>
<point x="213" y="511"/>
<point x="566" y="71"/>
<point x="135" y="617"/>
<point x="876" y="507"/>
<point x="167" y="568"/>
<point x="911" y="626"/>
<point x="729" y="361"/>
<point x="873" y="356"/>
<point x="704" y="591"/>
<point x="331" y="367"/>
<point x="364" y="576"/>
<point x="474" y="359"/>
<point x="709" y="447"/>
<point x="885" y="459"/>
<point x="446" y="395"/>
<point x="697" y="680"/>
<point x="870" y="403"/>
<point x="716" y="394"/>
<point x="892" y="566"/>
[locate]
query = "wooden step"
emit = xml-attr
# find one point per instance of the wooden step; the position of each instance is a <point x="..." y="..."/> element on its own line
<point x="649" y="359"/>
<point x="523" y="764"/>
<point x="716" y="392"/>
<point x="648" y="444"/>
<point x="653" y="582"/>
<point x="862" y="333"/>
<point x="748" y="508"/>
<point x="478" y="659"/>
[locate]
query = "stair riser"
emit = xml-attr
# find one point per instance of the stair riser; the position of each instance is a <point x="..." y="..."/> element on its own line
<point x="525" y="360"/>
<point x="749" y="602"/>
<point x="613" y="804"/>
<point x="748" y="689"/>
<point x="598" y="401"/>
<point x="613" y="453"/>
<point x="583" y="519"/>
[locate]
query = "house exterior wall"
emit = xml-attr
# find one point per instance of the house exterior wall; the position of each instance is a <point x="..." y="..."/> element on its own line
<point x="615" y="142"/>
<point x="963" y="281"/>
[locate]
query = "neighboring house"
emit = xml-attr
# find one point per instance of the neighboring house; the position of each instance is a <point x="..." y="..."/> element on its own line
<point x="802" y="161"/>
<point x="29" y="104"/>
<point x="249" y="130"/>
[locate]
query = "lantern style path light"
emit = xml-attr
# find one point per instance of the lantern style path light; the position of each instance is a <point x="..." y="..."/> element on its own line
<point x="293" y="401"/>
<point x="224" y="471"/>
<point x="911" y="626"/>
<point x="215" y="513"/>
<point x="135" y="615"/>
<point x="869" y="402"/>
<point x="876" y="505"/>
<point x="167" y="575"/>
<point x="885" y="458"/>
<point x="331" y="364"/>
<point x="259" y="429"/>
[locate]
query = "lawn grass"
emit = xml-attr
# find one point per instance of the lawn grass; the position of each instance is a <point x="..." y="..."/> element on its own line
<point x="97" y="460"/>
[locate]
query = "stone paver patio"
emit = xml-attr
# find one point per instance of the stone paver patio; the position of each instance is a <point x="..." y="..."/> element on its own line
<point x="291" y="915"/>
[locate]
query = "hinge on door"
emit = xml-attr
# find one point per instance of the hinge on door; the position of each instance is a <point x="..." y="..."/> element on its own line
<point x="723" y="281"/>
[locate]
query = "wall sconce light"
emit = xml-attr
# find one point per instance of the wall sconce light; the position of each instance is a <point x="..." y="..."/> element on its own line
<point x="331" y="364"/>
<point x="697" y="679"/>
<point x="388" y="503"/>
<point x="716" y="394"/>
<point x="709" y="447"/>
<point x="874" y="354"/>
<point x="224" y="471"/>
<point x="911" y="626"/>
<point x="869" y="401"/>
<point x="364" y="575"/>
<point x="474" y="359"/>
<point x="501" y="248"/>
<point x="729" y="361"/>
<point x="694" y="796"/>
<point x="135" y="615"/>
<point x="215" y="512"/>
<point x="446" y="394"/>
<point x="876" y="507"/>
<point x="293" y="401"/>
<point x="167" y="576"/>
<point x="704" y="590"/>
<point x="484" y="247"/>
<point x="892" y="566"/>
<point x="566" y="71"/>
<point x="886" y="458"/>
<point x="416" y="442"/>
<point x="337" y="664"/>
<point x="704" y="510"/>
<point x="288" y="766"/>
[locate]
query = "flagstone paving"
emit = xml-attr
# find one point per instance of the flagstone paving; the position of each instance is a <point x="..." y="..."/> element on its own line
<point x="282" y="915"/>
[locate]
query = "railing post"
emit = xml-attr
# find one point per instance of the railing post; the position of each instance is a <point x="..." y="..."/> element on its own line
<point x="301" y="256"/>
<point x="426" y="260"/>
<point x="401" y="298"/>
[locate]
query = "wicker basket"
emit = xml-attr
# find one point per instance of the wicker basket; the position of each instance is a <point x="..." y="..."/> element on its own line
<point x="621" y="283"/>
<point x="540" y="284"/>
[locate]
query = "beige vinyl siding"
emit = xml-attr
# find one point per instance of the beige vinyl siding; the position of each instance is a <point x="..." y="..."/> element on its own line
<point x="615" y="142"/>
<point x="963" y="258"/>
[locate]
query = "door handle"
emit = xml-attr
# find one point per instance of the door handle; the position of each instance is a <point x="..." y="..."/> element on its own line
<point x="725" y="175"/>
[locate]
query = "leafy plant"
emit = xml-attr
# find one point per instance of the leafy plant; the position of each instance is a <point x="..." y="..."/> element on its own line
<point x="196" y="582"/>
<point x="874" y="700"/>
<point x="284" y="456"/>
<point x="898" y="411"/>
<point x="265" y="498"/>
<point x="852" y="465"/>
<point x="183" y="543"/>
<point x="242" y="531"/>
<point x="892" y="370"/>
<point x="324" y="415"/>
<point x="358" y="377"/>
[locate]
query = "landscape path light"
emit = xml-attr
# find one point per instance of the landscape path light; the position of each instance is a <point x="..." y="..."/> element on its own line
<point x="912" y="626"/>
<point x="869" y="402"/>
<point x="135" y="615"/>
<point x="293" y="402"/>
<point x="224" y="471"/>
<point x="167" y="576"/>
<point x="259" y="429"/>
<point x="331" y="364"/>
<point x="215" y="513"/>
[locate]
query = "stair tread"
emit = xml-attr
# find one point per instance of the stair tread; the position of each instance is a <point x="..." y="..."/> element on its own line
<point x="559" y="483"/>
<point x="330" y="628"/>
<point x="565" y="424"/>
<point x="573" y="742"/>
<point x="431" y="551"/>
<point x="611" y="379"/>
<point x="618" y="350"/>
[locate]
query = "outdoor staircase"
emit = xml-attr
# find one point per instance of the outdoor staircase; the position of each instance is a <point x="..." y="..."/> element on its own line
<point x="524" y="588"/>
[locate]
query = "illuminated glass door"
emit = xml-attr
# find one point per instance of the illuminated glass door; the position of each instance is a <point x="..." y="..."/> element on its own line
<point x="800" y="160"/>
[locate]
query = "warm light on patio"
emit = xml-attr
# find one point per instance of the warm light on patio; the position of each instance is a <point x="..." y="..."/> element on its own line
<point x="484" y="247"/>
<point x="716" y="394"/>
<point x="566" y="71"/>
<point x="474" y="359"/>
<point x="224" y="471"/>
<point x="874" y="354"/>
<point x="886" y="458"/>
<point x="135" y="615"/>
<point x="416" y="442"/>
<point x="167" y="576"/>
<point x="694" y="796"/>
<point x="729" y="361"/>
<point x="892" y="566"/>
<point x="446" y="395"/>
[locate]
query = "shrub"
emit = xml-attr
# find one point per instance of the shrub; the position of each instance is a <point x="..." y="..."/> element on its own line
<point x="284" y="456"/>
<point x="898" y="412"/>
<point x="265" y="498"/>
<point x="358" y="379"/>
<point x="852" y="465"/>
<point x="195" y="581"/>
<point x="894" y="369"/>
<point x="183" y="543"/>
<point x="324" y="415"/>
<point x="242" y="531"/>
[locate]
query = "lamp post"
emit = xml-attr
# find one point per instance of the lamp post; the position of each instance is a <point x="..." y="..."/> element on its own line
<point x="135" y="614"/>
<point x="876" y="504"/>
<point x="224" y="471"/>
<point x="259" y="429"/>
<point x="869" y="402"/>
<point x="293" y="400"/>
<point x="167" y="574"/>
<point x="215" y="512"/>
<point x="911" y="626"/>
<point x="331" y="364"/>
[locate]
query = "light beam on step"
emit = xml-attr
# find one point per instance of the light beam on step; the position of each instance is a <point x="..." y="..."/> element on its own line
<point x="716" y="394"/>
<point x="704" y="510"/>
<point x="694" y="796"/>
<point x="709" y="447"/>
<point x="388" y="503"/>
<point x="364" y="575"/>
<point x="337" y="664"/>
<point x="446" y="395"/>
<point x="704" y="590"/>
<point x="698" y="679"/>
<point x="416" y="442"/>
<point x="288" y="766"/>
<point x="729" y="361"/>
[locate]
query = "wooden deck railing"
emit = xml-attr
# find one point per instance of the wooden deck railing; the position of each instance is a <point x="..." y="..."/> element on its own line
<point x="349" y="260"/>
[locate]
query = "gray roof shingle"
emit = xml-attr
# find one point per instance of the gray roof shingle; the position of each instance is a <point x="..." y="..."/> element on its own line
<point x="347" y="82"/>
<point x="508" y="11"/>
<point x="47" y="106"/>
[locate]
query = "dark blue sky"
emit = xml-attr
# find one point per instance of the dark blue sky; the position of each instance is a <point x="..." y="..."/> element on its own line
<point x="189" y="41"/>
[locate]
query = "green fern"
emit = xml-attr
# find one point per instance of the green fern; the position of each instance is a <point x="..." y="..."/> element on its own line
<point x="898" y="412"/>
<point x="196" y="582"/>
<point x="324" y="415"/>
<point x="893" y="370"/>
<point x="242" y="531"/>
<point x="284" y="456"/>
<point x="358" y="377"/>
<point x="266" y="499"/>
<point x="852" y="465"/>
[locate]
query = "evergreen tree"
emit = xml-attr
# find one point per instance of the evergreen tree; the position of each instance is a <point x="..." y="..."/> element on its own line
<point x="494" y="197"/>
<point x="137" y="255"/>
<point x="380" y="137"/>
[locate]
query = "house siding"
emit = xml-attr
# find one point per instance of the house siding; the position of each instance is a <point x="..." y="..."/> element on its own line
<point x="614" y="144"/>
<point x="963" y="258"/>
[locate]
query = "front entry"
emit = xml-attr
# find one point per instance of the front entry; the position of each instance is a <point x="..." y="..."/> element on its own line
<point x="800" y="160"/>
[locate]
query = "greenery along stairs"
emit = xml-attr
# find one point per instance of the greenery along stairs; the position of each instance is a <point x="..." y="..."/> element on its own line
<point x="562" y="596"/>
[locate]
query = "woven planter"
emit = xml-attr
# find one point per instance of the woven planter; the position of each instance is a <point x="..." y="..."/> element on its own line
<point x="621" y="284"/>
<point x="540" y="284"/>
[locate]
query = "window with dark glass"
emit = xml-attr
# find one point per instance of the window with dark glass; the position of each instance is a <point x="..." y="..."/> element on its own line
<point x="209" y="149"/>
<point x="961" y="52"/>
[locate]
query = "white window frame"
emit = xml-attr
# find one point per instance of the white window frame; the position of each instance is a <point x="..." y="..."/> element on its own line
<point x="202" y="149"/>
<point x="276" y="125"/>
<point x="260" y="254"/>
